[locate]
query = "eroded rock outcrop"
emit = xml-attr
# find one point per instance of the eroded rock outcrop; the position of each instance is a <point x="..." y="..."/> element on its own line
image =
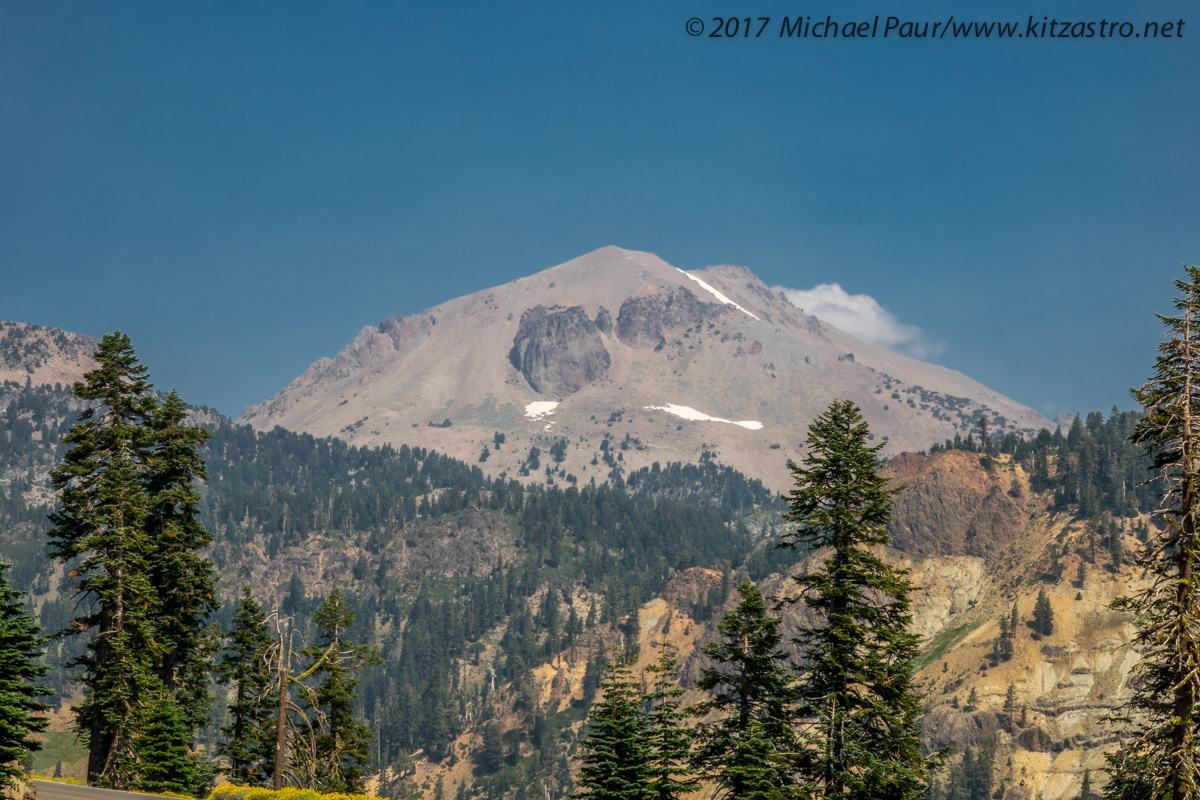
<point x="644" y="318"/>
<point x="604" y="320"/>
<point x="963" y="729"/>
<point x="559" y="352"/>
<point x="951" y="506"/>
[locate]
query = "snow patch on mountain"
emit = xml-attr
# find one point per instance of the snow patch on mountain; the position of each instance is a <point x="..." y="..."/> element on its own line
<point x="720" y="297"/>
<point x="540" y="408"/>
<point x="688" y="413"/>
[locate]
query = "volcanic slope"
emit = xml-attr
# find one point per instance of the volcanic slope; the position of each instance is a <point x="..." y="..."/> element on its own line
<point x="43" y="356"/>
<point x="618" y="359"/>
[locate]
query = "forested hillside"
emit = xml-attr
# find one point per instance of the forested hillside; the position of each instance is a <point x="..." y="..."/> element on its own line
<point x="491" y="601"/>
<point x="438" y="563"/>
<point x="1092" y="468"/>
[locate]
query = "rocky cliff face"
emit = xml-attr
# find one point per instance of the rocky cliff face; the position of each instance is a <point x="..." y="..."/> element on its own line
<point x="959" y="507"/>
<point x="646" y="317"/>
<point x="955" y="504"/>
<point x="1063" y="686"/>
<point x="559" y="352"/>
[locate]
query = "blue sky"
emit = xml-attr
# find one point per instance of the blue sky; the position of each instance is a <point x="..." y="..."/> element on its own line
<point x="243" y="185"/>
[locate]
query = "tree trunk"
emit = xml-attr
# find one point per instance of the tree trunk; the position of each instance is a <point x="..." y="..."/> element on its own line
<point x="280" y="731"/>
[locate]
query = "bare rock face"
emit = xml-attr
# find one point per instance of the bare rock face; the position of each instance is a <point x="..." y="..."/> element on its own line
<point x="951" y="506"/>
<point x="1035" y="740"/>
<point x="469" y="544"/>
<point x="645" y="317"/>
<point x="604" y="320"/>
<point x="559" y="352"/>
<point x="963" y="729"/>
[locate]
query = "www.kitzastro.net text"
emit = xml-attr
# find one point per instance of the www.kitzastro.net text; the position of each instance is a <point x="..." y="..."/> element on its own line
<point x="878" y="27"/>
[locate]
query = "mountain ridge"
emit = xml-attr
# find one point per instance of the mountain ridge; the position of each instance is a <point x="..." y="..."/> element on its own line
<point x="41" y="355"/>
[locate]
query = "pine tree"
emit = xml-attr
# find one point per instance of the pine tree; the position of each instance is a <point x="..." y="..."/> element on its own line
<point x="670" y="773"/>
<point x="20" y="651"/>
<point x="1003" y="649"/>
<point x="164" y="764"/>
<point x="749" y="687"/>
<point x="1165" y="748"/>
<point x="99" y="532"/>
<point x="185" y="581"/>
<point x="249" y="745"/>
<point x="615" y="763"/>
<point x="1043" y="615"/>
<point x="1056" y="566"/>
<point x="491" y="751"/>
<point x="342" y="744"/>
<point x="1085" y="791"/>
<point x="983" y="778"/>
<point x="984" y="430"/>
<point x="972" y="778"/>
<point x="859" y="711"/>
<point x="959" y="785"/>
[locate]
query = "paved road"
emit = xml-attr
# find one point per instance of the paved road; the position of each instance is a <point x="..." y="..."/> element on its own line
<point x="54" y="790"/>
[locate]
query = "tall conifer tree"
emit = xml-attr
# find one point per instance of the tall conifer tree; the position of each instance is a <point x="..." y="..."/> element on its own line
<point x="1164" y="752"/>
<point x="751" y="691"/>
<point x="671" y="775"/>
<point x="20" y="707"/>
<point x="184" y="580"/>
<point x="1085" y="791"/>
<point x="1043" y="615"/>
<point x="249" y="745"/>
<point x="99" y="533"/>
<point x="615" y="764"/>
<point x="859" y="711"/>
<point x="343" y="742"/>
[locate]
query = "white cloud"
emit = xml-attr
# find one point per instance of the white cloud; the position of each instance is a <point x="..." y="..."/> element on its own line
<point x="861" y="315"/>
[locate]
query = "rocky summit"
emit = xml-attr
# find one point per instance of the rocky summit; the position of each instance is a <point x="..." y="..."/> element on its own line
<point x="618" y="352"/>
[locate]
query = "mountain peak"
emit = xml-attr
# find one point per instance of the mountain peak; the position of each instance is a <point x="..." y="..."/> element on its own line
<point x="629" y="361"/>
